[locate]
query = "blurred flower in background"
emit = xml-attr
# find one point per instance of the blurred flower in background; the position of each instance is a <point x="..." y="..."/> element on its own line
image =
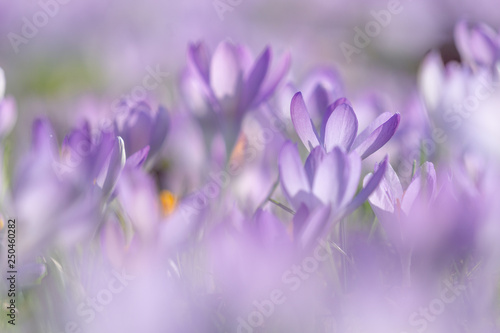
<point x="249" y="166"/>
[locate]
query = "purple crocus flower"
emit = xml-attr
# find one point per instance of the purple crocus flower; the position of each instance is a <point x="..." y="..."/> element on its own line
<point x="400" y="212"/>
<point x="478" y="44"/>
<point x="320" y="88"/>
<point x="139" y="127"/>
<point x="229" y="83"/>
<point x="392" y="205"/>
<point x="232" y="79"/>
<point x="326" y="179"/>
<point x="340" y="128"/>
<point x="63" y="193"/>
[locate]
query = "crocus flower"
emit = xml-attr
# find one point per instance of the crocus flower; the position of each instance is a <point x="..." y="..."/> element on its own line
<point x="392" y="205"/>
<point x="478" y="44"/>
<point x="340" y="128"/>
<point x="326" y="179"/>
<point x="463" y="103"/>
<point x="73" y="187"/>
<point x="396" y="209"/>
<point x="320" y="88"/>
<point x="139" y="127"/>
<point x="230" y="82"/>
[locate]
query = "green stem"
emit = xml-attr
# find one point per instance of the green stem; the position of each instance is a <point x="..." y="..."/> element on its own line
<point x="343" y="258"/>
<point x="280" y="205"/>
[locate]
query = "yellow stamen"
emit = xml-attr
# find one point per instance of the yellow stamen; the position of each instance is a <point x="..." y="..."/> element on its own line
<point x="168" y="202"/>
<point x="1" y="223"/>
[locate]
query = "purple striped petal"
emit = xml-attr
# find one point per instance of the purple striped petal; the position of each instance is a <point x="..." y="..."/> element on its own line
<point x="380" y="198"/>
<point x="341" y="127"/>
<point x="116" y="164"/>
<point x="159" y="132"/>
<point x="378" y="137"/>
<point x="313" y="161"/>
<point x="314" y="227"/>
<point x="371" y="186"/>
<point x="380" y="120"/>
<point x="292" y="175"/>
<point x="273" y="78"/>
<point x="327" y="183"/>
<point x="299" y="220"/>
<point x="302" y="122"/>
<point x="477" y="43"/>
<point x="352" y="173"/>
<point x="138" y="158"/>
<point x="255" y="79"/>
<point x="199" y="58"/>
<point x="225" y="71"/>
<point x="328" y="112"/>
<point x="44" y="140"/>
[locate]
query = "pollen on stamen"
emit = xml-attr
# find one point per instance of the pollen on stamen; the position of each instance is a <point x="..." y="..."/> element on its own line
<point x="239" y="150"/>
<point x="1" y="223"/>
<point x="168" y="202"/>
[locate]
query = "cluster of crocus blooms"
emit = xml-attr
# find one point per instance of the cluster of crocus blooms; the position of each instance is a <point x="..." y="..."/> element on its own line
<point x="226" y="214"/>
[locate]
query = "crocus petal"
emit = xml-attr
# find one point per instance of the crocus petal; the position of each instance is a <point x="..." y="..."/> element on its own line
<point x="477" y="43"/>
<point x="246" y="59"/>
<point x="380" y="120"/>
<point x="273" y="78"/>
<point x="378" y="137"/>
<point x="428" y="172"/>
<point x="137" y="130"/>
<point x="199" y="59"/>
<point x="411" y="194"/>
<point x="380" y="198"/>
<point x="269" y="230"/>
<point x="314" y="227"/>
<point x="329" y="109"/>
<point x="225" y="72"/>
<point x="255" y="79"/>
<point x="352" y="173"/>
<point x="320" y="101"/>
<point x="138" y="158"/>
<point x="394" y="187"/>
<point x="327" y="184"/>
<point x="302" y="122"/>
<point x="30" y="274"/>
<point x="44" y="140"/>
<point x="423" y="186"/>
<point x="340" y="128"/>
<point x="299" y="220"/>
<point x="431" y="79"/>
<point x="116" y="164"/>
<point x="159" y="131"/>
<point x="371" y="186"/>
<point x="292" y="175"/>
<point x="322" y="87"/>
<point x="313" y="161"/>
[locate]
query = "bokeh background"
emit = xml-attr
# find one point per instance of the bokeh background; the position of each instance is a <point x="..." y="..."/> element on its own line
<point x="103" y="46"/>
